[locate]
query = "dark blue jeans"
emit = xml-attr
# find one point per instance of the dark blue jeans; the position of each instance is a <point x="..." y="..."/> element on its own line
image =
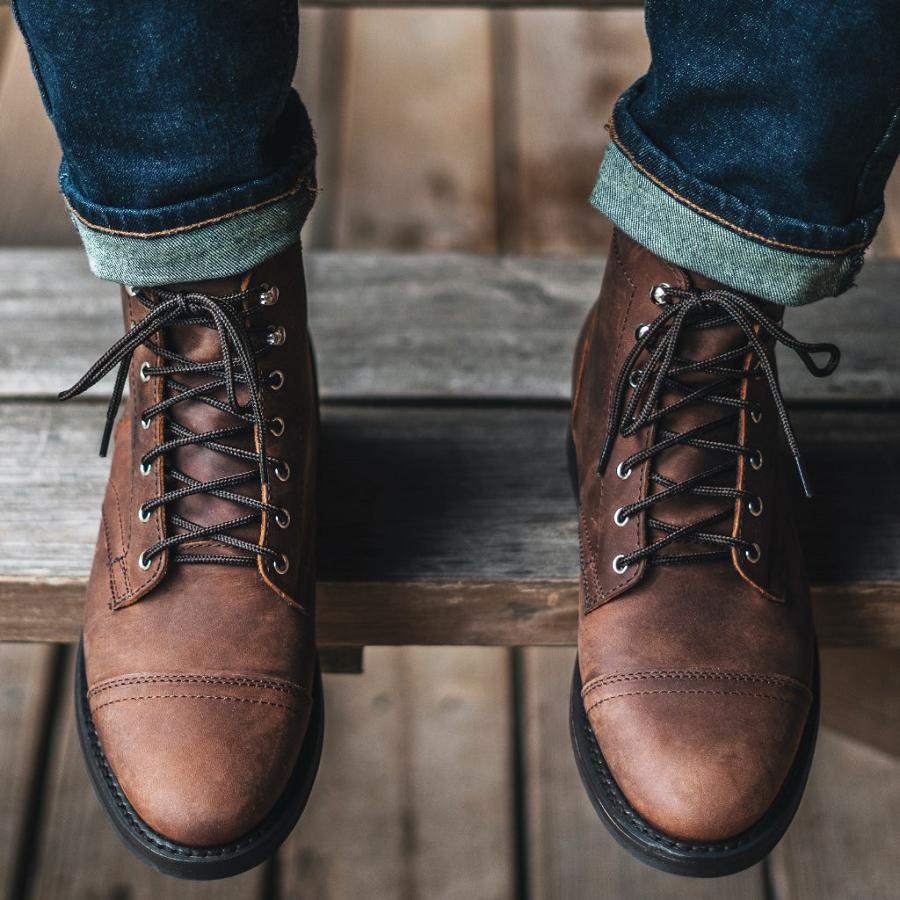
<point x="186" y="153"/>
<point x="755" y="150"/>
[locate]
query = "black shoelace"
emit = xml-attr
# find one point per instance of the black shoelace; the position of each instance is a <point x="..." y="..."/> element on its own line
<point x="237" y="366"/>
<point x="681" y="311"/>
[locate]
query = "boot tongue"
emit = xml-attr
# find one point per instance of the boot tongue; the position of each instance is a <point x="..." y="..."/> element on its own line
<point x="682" y="461"/>
<point x="201" y="344"/>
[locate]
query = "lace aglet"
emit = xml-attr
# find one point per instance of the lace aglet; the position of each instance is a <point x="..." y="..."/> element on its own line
<point x="804" y="478"/>
<point x="104" y="441"/>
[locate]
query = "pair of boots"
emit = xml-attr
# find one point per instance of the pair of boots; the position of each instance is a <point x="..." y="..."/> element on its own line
<point x="695" y="696"/>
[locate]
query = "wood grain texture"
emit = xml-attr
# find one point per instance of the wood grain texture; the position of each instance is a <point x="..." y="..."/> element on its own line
<point x="406" y="182"/>
<point x="570" y="69"/>
<point x="428" y="326"/>
<point x="470" y="533"/>
<point x="570" y="854"/>
<point x="24" y="682"/>
<point x="843" y="842"/>
<point x="413" y="798"/>
<point x="31" y="209"/>
<point x="80" y="856"/>
<point x="861" y="695"/>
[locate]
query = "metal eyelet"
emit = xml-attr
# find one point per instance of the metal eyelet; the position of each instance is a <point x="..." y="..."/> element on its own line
<point x="268" y="295"/>
<point x="145" y="469"/>
<point x="755" y="506"/>
<point x="144" y="563"/>
<point x="753" y="554"/>
<point x="145" y="424"/>
<point x="276" y="336"/>
<point x="621" y="472"/>
<point x="277" y="426"/>
<point x="619" y="519"/>
<point x="756" y="417"/>
<point x="756" y="459"/>
<point x="145" y="377"/>
<point x="641" y="331"/>
<point x="658" y="294"/>
<point x="634" y="379"/>
<point x="278" y="383"/>
<point x="143" y="515"/>
<point x="282" y="470"/>
<point x="282" y="518"/>
<point x="281" y="566"/>
<point x="618" y="566"/>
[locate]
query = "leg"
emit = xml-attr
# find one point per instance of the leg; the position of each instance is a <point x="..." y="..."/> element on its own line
<point x="186" y="153"/>
<point x="756" y="149"/>
<point x="187" y="158"/>
<point x="745" y="173"/>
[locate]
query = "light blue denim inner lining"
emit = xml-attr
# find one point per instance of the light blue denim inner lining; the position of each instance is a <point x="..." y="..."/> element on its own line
<point x="228" y="247"/>
<point x="678" y="234"/>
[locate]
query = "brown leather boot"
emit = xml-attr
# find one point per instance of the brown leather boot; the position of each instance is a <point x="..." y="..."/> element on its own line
<point x="695" y="697"/>
<point x="198" y="692"/>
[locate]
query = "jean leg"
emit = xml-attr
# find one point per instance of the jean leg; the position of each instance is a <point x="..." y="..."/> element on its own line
<point x="186" y="153"/>
<point x="757" y="147"/>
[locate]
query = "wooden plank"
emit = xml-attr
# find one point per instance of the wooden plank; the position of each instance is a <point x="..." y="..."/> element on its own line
<point x="416" y="146"/>
<point x="572" y="66"/>
<point x="843" y="842"/>
<point x="427" y="326"/>
<point x="32" y="210"/>
<point x="470" y="534"/>
<point x="570" y="853"/>
<point x="80" y="855"/>
<point x="320" y="80"/>
<point x="24" y="681"/>
<point x="861" y="695"/>
<point x="413" y="798"/>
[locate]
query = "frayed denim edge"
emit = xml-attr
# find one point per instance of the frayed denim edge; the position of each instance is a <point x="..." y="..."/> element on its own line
<point x="671" y="230"/>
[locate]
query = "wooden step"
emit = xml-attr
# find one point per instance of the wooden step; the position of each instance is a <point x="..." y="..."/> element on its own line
<point x="446" y="511"/>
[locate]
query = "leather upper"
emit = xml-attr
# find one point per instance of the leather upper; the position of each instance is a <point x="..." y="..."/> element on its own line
<point x="696" y="677"/>
<point x="200" y="674"/>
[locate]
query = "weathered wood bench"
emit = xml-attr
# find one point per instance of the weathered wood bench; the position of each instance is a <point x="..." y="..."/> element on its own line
<point x="445" y="506"/>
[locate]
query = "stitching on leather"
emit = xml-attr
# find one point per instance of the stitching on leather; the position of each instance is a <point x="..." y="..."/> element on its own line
<point x="195" y="697"/>
<point x="233" y="680"/>
<point x="695" y="674"/>
<point x="758" y="696"/>
<point x="604" y="594"/>
<point x="794" y="248"/>
<point x="155" y="571"/>
<point x="135" y="822"/>
<point x="302" y="182"/>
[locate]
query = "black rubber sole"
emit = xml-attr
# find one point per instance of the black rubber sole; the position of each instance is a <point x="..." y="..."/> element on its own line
<point x="201" y="863"/>
<point x="639" y="837"/>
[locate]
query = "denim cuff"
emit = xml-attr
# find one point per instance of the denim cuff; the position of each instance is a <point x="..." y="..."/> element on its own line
<point x="225" y="232"/>
<point x="225" y="245"/>
<point x="697" y="226"/>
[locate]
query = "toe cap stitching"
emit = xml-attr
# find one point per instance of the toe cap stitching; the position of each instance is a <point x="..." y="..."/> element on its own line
<point x="100" y="706"/>
<point x="755" y="694"/>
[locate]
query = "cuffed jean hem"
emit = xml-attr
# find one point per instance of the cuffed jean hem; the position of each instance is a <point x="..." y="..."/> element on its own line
<point x="674" y="228"/>
<point x="228" y="245"/>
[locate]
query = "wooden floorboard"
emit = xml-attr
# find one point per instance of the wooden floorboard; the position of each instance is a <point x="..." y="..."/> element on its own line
<point x="414" y="797"/>
<point x="843" y="843"/>
<point x="861" y="695"/>
<point x="570" y="853"/>
<point x="25" y="674"/>
<point x="428" y="326"/>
